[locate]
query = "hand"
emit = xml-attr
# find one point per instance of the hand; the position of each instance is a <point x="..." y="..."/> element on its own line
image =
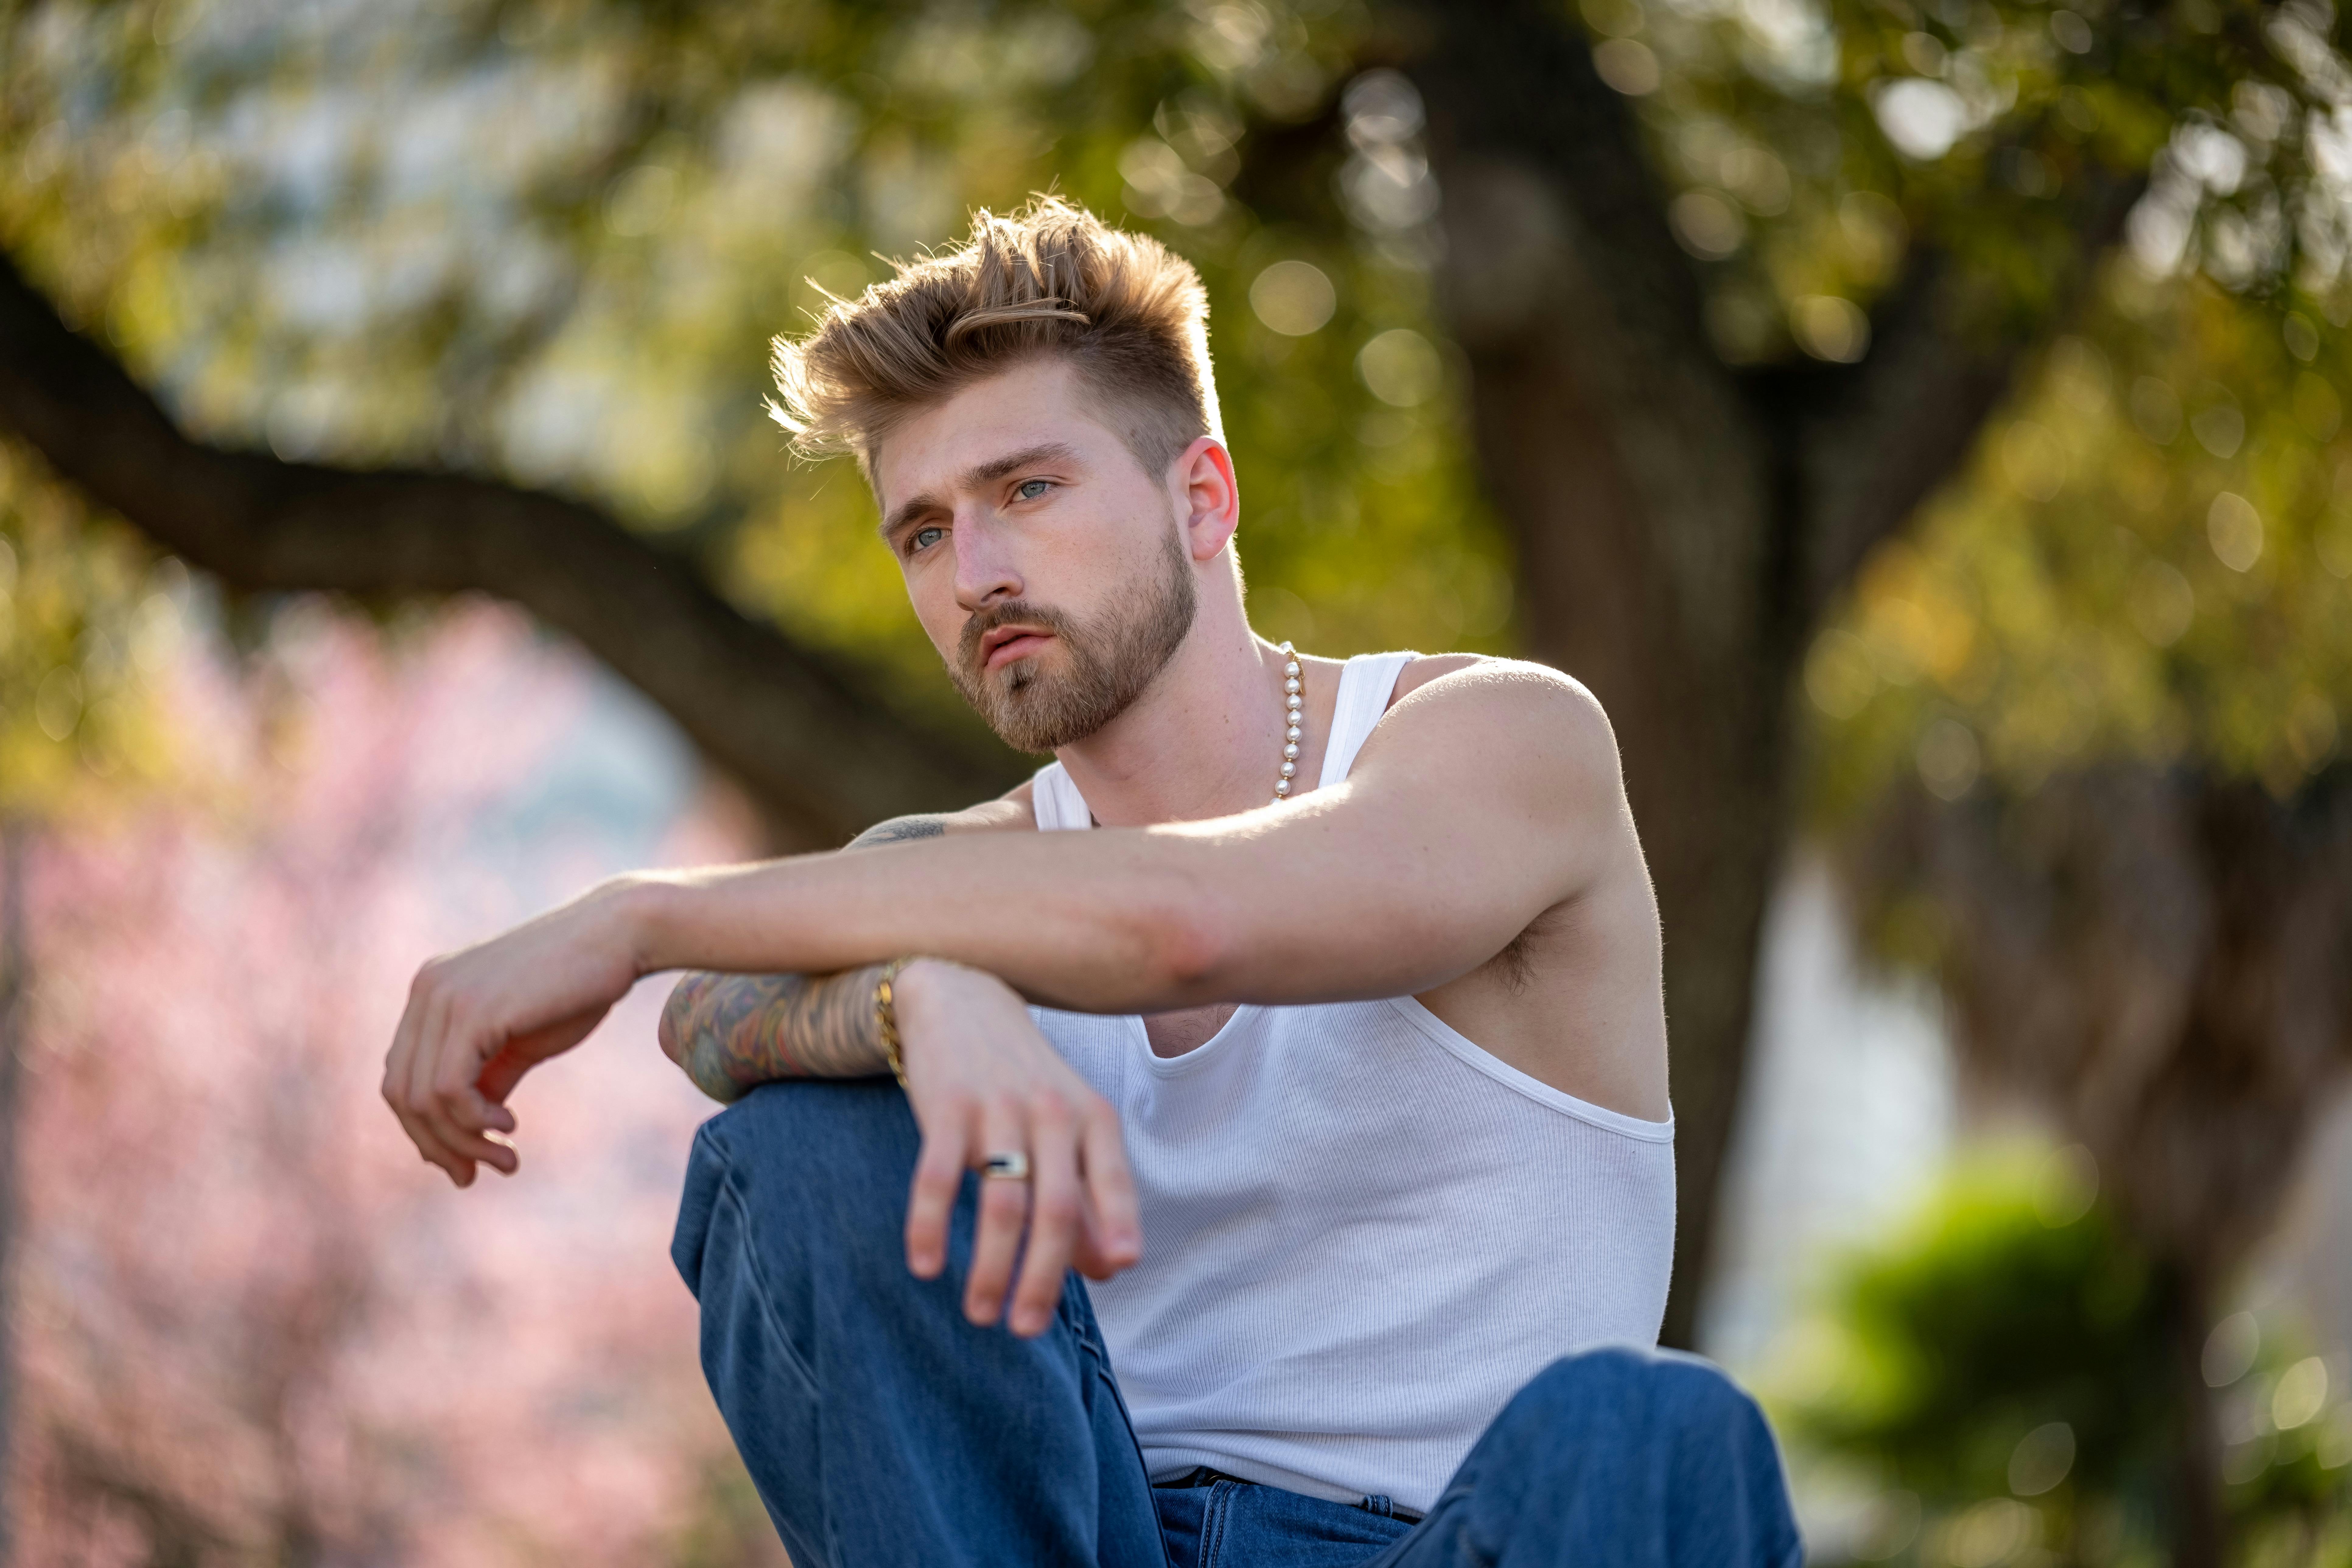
<point x="983" y="1081"/>
<point x="479" y="1019"/>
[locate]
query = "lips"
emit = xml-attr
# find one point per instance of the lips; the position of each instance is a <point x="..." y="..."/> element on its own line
<point x="1002" y="645"/>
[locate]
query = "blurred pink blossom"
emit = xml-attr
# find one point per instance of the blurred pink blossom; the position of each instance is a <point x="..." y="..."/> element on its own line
<point x="252" y="1324"/>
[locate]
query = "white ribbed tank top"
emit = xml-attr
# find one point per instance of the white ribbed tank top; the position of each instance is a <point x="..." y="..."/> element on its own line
<point x="1363" y="1233"/>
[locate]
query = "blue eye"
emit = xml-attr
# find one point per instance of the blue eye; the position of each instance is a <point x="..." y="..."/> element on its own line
<point x="1030" y="490"/>
<point x="924" y="538"/>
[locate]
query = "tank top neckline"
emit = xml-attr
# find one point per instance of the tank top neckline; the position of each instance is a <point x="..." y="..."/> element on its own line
<point x="1366" y="684"/>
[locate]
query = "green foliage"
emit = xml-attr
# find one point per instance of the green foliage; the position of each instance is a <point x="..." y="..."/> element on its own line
<point x="86" y="622"/>
<point x="1815" y="146"/>
<point x="550" y="238"/>
<point x="1981" y="1322"/>
<point x="2151" y="558"/>
<point x="2000" y="1371"/>
<point x="554" y="239"/>
<point x="2148" y="555"/>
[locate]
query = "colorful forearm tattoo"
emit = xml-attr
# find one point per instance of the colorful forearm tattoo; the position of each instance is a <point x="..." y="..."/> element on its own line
<point x="735" y="1032"/>
<point x="738" y="1031"/>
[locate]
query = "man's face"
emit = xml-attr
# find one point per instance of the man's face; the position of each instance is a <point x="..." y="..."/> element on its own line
<point x="1049" y="569"/>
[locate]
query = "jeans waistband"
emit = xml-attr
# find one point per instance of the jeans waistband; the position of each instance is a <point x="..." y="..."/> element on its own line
<point x="1202" y="1475"/>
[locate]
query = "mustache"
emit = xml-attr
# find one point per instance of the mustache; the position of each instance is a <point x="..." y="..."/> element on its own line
<point x="1011" y="612"/>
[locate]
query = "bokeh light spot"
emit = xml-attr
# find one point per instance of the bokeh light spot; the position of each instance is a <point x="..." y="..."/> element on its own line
<point x="2230" y="1349"/>
<point x="1293" y="297"/>
<point x="2041" y="1459"/>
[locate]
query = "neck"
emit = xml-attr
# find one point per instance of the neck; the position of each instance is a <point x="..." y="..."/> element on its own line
<point x="1205" y="738"/>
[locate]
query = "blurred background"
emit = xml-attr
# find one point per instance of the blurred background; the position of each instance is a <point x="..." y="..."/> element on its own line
<point x="1922" y="422"/>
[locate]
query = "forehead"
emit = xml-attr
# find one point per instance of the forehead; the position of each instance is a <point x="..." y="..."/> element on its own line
<point x="1039" y="403"/>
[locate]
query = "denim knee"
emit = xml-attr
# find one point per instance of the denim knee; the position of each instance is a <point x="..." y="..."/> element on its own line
<point x="817" y="1167"/>
<point x="1626" y="1456"/>
<point x="1670" y="1391"/>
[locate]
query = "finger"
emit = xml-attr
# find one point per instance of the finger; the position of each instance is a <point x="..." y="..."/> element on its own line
<point x="522" y="1052"/>
<point x="471" y="1123"/>
<point x="400" y="1078"/>
<point x="457" y="1068"/>
<point x="939" y="1173"/>
<point x="493" y="1149"/>
<point x="497" y="1082"/>
<point x="1114" y="1225"/>
<point x="490" y="1149"/>
<point x="404" y="1041"/>
<point x="1003" y="1208"/>
<point x="399" y="1066"/>
<point x="1054" y="1215"/>
<point x="422" y="1101"/>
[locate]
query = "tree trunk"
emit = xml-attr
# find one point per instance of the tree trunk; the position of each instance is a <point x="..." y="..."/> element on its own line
<point x="1700" y="738"/>
<point x="2161" y="959"/>
<point x="2199" y="1512"/>
<point x="1683" y="526"/>
<point x="1646" y="510"/>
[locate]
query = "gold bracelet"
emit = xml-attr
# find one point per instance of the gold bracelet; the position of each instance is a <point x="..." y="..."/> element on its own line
<point x="886" y="1016"/>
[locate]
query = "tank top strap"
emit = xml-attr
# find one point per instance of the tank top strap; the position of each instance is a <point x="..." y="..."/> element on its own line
<point x="1365" y="683"/>
<point x="1054" y="796"/>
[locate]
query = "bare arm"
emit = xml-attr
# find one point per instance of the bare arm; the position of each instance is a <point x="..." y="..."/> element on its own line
<point x="733" y="1032"/>
<point x="1485" y="798"/>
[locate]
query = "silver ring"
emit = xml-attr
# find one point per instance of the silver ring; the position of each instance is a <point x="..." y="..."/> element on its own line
<point x="1011" y="1167"/>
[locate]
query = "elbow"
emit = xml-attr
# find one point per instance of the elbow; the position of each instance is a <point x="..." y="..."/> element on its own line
<point x="1185" y="946"/>
<point x="673" y="1031"/>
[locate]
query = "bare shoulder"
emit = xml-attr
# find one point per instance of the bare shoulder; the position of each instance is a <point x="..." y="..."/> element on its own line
<point x="1520" y="759"/>
<point x="1510" y="706"/>
<point x="1010" y="812"/>
<point x="1429" y="666"/>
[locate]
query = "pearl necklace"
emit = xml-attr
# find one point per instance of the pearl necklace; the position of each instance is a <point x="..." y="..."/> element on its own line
<point x="1295" y="721"/>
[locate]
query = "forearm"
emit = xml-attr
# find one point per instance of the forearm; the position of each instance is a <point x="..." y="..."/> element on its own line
<point x="1059" y="938"/>
<point x="731" y="1033"/>
<point x="1460" y="825"/>
<point x="1104" y="921"/>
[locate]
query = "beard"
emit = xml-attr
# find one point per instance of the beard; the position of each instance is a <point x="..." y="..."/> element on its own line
<point x="1110" y="658"/>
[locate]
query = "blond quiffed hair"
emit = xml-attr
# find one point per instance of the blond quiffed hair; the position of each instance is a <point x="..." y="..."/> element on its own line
<point x="1051" y="278"/>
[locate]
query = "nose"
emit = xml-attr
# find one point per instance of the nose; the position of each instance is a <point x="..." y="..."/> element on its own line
<point x="985" y="570"/>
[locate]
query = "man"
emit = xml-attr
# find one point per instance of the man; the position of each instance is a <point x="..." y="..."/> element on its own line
<point x="1345" y="1079"/>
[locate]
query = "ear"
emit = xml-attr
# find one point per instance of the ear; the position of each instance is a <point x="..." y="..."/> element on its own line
<point x="1208" y="497"/>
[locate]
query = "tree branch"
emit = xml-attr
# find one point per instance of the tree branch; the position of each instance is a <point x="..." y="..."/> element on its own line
<point x="791" y="729"/>
<point x="1876" y="441"/>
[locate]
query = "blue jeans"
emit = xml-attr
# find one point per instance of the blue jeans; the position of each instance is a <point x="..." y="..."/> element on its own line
<point x="882" y="1427"/>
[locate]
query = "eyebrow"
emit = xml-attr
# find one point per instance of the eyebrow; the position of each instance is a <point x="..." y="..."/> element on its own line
<point x="978" y="475"/>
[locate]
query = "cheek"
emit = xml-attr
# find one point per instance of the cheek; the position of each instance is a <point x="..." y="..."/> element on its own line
<point x="932" y="593"/>
<point x="1082" y="565"/>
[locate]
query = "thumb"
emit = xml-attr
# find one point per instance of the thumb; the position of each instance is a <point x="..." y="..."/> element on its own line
<point x="501" y="1073"/>
<point x="526" y="1049"/>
